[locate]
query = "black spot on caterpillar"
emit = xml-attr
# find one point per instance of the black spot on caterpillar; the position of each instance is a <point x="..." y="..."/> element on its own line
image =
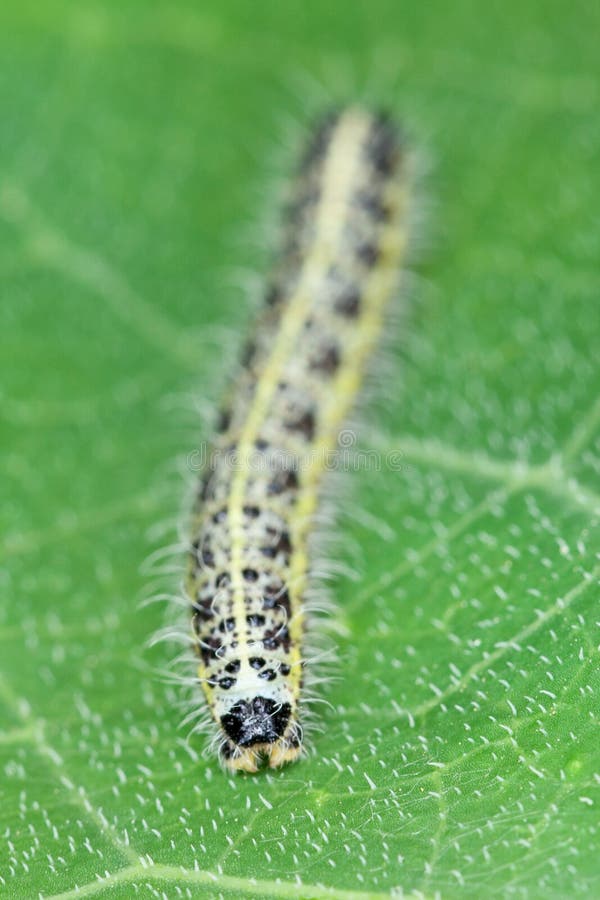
<point x="250" y="567"/>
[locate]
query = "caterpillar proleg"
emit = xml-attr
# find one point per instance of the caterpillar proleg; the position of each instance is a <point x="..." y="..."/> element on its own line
<point x="249" y="566"/>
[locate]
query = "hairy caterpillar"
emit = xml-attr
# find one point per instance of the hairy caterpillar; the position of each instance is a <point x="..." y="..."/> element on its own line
<point x="249" y="567"/>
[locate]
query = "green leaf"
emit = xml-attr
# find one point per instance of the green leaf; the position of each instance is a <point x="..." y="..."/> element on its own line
<point x="460" y="754"/>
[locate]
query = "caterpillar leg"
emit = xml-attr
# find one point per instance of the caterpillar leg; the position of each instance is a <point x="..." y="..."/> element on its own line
<point x="242" y="761"/>
<point x="284" y="752"/>
<point x="249" y="759"/>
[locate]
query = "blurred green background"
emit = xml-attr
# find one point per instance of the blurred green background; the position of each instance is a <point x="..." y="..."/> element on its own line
<point x="460" y="755"/>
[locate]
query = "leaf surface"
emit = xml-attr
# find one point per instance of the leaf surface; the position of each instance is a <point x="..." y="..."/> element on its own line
<point x="460" y="753"/>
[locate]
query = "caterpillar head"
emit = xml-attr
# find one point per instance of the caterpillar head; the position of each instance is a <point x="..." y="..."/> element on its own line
<point x="258" y="726"/>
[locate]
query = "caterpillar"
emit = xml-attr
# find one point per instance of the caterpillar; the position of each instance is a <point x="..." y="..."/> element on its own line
<point x="249" y="562"/>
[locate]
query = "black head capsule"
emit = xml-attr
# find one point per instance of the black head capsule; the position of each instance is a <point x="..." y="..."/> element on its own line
<point x="256" y="721"/>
